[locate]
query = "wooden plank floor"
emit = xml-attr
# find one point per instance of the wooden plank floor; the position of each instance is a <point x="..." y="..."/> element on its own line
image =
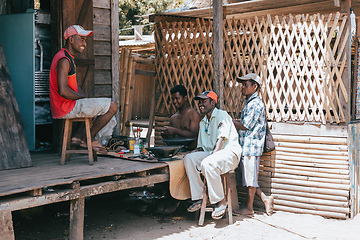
<point x="47" y="172"/>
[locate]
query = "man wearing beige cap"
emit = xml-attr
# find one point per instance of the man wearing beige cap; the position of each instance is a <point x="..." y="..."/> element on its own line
<point x="67" y="100"/>
<point x="218" y="151"/>
<point x="252" y="128"/>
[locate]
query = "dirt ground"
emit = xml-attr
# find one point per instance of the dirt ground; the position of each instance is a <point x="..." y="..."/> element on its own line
<point x="130" y="215"/>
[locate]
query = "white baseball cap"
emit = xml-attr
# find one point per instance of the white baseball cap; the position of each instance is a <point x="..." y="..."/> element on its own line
<point x="77" y="30"/>
<point x="250" y="76"/>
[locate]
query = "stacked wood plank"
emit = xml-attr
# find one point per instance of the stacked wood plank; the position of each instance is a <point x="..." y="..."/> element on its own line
<point x="308" y="174"/>
<point x="160" y="122"/>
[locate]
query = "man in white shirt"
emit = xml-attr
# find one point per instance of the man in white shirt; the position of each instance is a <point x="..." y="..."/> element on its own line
<point x="218" y="152"/>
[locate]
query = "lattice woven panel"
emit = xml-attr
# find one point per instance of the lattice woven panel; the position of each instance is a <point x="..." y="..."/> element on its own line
<point x="301" y="60"/>
<point x="183" y="56"/>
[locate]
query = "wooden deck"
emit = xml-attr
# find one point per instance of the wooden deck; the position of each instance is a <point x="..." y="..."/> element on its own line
<point x="48" y="182"/>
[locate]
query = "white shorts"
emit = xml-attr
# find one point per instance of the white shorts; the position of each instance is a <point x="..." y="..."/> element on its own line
<point x="90" y="107"/>
<point x="249" y="166"/>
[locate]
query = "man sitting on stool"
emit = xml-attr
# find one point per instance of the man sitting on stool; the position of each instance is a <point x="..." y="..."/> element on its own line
<point x="218" y="152"/>
<point x="67" y="100"/>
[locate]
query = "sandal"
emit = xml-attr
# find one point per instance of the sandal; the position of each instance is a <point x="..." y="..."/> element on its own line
<point x="75" y="141"/>
<point x="219" y="212"/>
<point x="195" y="206"/>
<point x="96" y="146"/>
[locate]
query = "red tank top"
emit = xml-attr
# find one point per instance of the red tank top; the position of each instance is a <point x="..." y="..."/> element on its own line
<point x="60" y="106"/>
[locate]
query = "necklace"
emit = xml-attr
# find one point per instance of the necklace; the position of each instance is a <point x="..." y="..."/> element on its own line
<point x="207" y="123"/>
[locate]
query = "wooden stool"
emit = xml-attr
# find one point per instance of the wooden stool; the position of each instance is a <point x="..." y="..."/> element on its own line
<point x="66" y="148"/>
<point x="227" y="191"/>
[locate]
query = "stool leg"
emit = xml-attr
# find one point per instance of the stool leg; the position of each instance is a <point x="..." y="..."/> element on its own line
<point x="68" y="146"/>
<point x="66" y="139"/>
<point x="88" y="139"/>
<point x="203" y="207"/>
<point x="229" y="203"/>
<point x="95" y="156"/>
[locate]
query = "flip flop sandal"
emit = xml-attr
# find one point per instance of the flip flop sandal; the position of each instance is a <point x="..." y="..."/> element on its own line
<point x="195" y="206"/>
<point x="75" y="141"/>
<point x="219" y="212"/>
<point x="96" y="146"/>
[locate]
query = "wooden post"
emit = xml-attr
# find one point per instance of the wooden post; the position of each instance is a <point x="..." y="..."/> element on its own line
<point x="115" y="58"/>
<point x="345" y="6"/>
<point x="218" y="46"/>
<point x="346" y="76"/>
<point x="7" y="229"/>
<point x="76" y="231"/>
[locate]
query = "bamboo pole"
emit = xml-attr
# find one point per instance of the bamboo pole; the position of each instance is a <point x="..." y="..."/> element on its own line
<point x="310" y="159"/>
<point x="305" y="173"/>
<point x="127" y="95"/>
<point x="125" y="53"/>
<point x="305" y="155"/>
<point x="311" y="200"/>
<point x="310" y="184"/>
<point x="311" y="195"/>
<point x="313" y="212"/>
<point x="131" y="90"/>
<point x="310" y="164"/>
<point x="336" y="192"/>
<point x="312" y="206"/>
<point x="310" y="151"/>
<point x="304" y="178"/>
<point x="326" y="147"/>
<point x="310" y="139"/>
<point x="312" y="169"/>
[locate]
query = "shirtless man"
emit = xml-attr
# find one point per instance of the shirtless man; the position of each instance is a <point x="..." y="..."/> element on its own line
<point x="185" y="122"/>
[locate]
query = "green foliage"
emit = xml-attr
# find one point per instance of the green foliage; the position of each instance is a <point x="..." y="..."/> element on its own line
<point x="130" y="12"/>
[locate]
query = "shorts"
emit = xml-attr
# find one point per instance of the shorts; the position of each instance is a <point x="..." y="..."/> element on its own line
<point x="89" y="107"/>
<point x="249" y="166"/>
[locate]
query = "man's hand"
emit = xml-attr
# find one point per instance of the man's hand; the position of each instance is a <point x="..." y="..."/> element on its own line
<point x="198" y="149"/>
<point x="168" y="132"/>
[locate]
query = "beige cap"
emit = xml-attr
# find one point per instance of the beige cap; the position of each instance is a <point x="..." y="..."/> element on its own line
<point x="250" y="76"/>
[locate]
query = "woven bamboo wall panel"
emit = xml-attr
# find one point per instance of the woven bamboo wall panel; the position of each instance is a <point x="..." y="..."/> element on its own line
<point x="307" y="176"/>
<point x="183" y="56"/>
<point x="301" y="60"/>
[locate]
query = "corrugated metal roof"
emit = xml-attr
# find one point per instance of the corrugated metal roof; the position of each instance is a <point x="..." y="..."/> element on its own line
<point x="146" y="40"/>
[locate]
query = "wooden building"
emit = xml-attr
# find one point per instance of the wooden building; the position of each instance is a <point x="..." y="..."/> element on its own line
<point x="307" y="56"/>
<point x="44" y="24"/>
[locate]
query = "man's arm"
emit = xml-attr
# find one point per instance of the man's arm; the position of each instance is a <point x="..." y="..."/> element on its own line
<point x="238" y="125"/>
<point x="193" y="128"/>
<point x="219" y="144"/>
<point x="62" y="79"/>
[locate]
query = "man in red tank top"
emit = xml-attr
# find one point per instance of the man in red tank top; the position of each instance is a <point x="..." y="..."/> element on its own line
<point x="67" y="100"/>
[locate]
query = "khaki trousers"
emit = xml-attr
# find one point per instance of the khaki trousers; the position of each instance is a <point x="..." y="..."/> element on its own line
<point x="212" y="166"/>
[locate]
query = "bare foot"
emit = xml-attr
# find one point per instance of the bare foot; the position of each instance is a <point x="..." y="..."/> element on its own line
<point x="244" y="211"/>
<point x="269" y="205"/>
